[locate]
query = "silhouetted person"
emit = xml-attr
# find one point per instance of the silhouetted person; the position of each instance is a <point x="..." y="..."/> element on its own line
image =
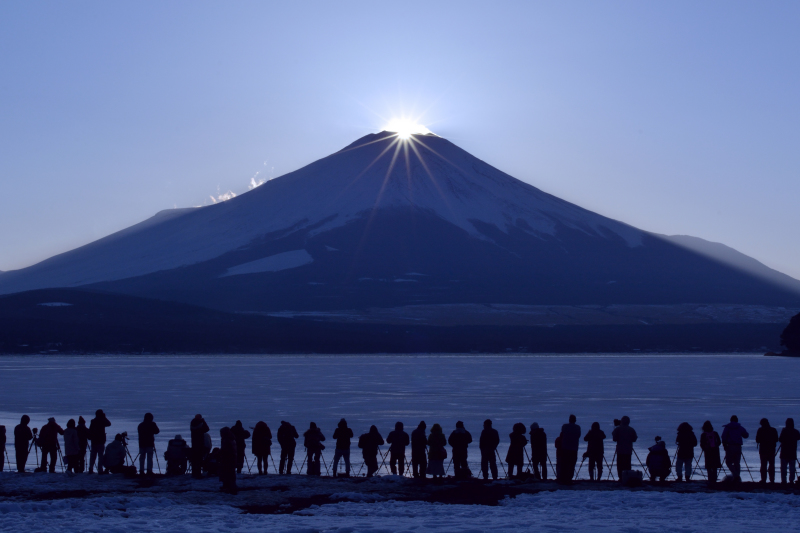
<point x="538" y="451"/>
<point x="788" y="439"/>
<point x="419" y="457"/>
<point x="686" y="441"/>
<point x="147" y="430"/>
<point x="240" y="434"/>
<point x="177" y="456"/>
<point x="261" y="443"/>
<point x="658" y="462"/>
<point x="732" y="440"/>
<point x="397" y="440"/>
<point x="459" y="441"/>
<point x="559" y="458"/>
<point x="198" y="428"/>
<point x="624" y="435"/>
<point x="211" y="462"/>
<point x="369" y="442"/>
<point x="488" y="443"/>
<point x="516" y="451"/>
<point x="114" y="458"/>
<point x="767" y="441"/>
<point x="570" y="442"/>
<point x="342" y="434"/>
<point x="228" y="460"/>
<point x="709" y="443"/>
<point x="48" y="442"/>
<point x="72" y="448"/>
<point x="437" y="452"/>
<point x="3" y="448"/>
<point x="97" y="438"/>
<point x="287" y="435"/>
<point x="312" y="440"/>
<point x="83" y="443"/>
<point x="22" y="439"/>
<point x="595" y="451"/>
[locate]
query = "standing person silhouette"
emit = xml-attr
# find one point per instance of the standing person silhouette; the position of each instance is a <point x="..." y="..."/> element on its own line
<point x="487" y="444"/>
<point x="538" y="451"/>
<point x="22" y="438"/>
<point x="48" y="442"/>
<point x="732" y="440"/>
<point x="788" y="439"/>
<point x="147" y="430"/>
<point x="83" y="443"/>
<point x="624" y="435"/>
<point x="369" y="443"/>
<point x="312" y="441"/>
<point x="342" y="435"/>
<point x="198" y="429"/>
<point x="767" y="441"/>
<point x="595" y="450"/>
<point x="398" y="440"/>
<point x="516" y="451"/>
<point x="97" y="438"/>
<point x="287" y="439"/>
<point x="261" y="443"/>
<point x="686" y="441"/>
<point x="240" y="434"/>
<point x="459" y="441"/>
<point x="437" y="452"/>
<point x="570" y="442"/>
<point x="709" y="444"/>
<point x="419" y="444"/>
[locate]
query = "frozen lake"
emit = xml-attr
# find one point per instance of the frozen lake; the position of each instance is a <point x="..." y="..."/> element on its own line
<point x="657" y="392"/>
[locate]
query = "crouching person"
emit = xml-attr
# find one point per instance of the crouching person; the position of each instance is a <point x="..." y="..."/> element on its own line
<point x="658" y="461"/>
<point x="114" y="458"/>
<point x="176" y="456"/>
<point x="227" y="460"/>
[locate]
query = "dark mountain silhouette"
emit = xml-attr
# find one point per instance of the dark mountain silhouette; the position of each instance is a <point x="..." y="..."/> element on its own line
<point x="384" y="223"/>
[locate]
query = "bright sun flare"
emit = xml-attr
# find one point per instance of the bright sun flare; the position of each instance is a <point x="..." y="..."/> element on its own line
<point x="405" y="128"/>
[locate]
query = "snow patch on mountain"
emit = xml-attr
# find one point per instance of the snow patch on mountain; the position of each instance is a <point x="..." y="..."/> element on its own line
<point x="273" y="263"/>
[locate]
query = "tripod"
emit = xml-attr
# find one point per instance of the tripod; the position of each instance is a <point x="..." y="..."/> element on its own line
<point x="640" y="462"/>
<point x="501" y="462"/>
<point x="35" y="449"/>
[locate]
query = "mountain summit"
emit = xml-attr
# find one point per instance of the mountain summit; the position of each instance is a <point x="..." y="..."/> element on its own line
<point x="387" y="222"/>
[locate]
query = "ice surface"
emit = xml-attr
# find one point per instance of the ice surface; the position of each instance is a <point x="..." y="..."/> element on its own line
<point x="657" y="392"/>
<point x="273" y="263"/>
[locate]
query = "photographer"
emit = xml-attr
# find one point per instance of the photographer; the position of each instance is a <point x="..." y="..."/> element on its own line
<point x="114" y="457"/>
<point x="97" y="438"/>
<point x="147" y="443"/>
<point x="48" y="442"/>
<point x="22" y="436"/>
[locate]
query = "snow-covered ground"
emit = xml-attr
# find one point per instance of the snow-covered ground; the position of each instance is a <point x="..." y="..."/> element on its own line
<point x="111" y="504"/>
<point x="657" y="392"/>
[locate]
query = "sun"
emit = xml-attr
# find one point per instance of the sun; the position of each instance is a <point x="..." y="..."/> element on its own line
<point x="405" y="128"/>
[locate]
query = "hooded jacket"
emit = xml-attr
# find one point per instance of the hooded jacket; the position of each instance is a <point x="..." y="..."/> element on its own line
<point x="436" y="449"/>
<point x="97" y="429"/>
<point x="788" y="439"/>
<point x="312" y="439"/>
<point x="48" y="436"/>
<point x="767" y="439"/>
<point x="198" y="428"/>
<point x="398" y="439"/>
<point x="369" y="442"/>
<point x="538" y="445"/>
<point x="686" y="441"/>
<point x="490" y="440"/>
<point x="147" y="432"/>
<point x="342" y="434"/>
<point x="570" y="437"/>
<point x="287" y="435"/>
<point x="658" y="461"/>
<point x="114" y="455"/>
<point x="262" y="440"/>
<point x="419" y="441"/>
<point x="733" y="434"/>
<point x="22" y="436"/>
<point x="594" y="439"/>
<point x="459" y="440"/>
<point x="624" y="435"/>
<point x="516" y="447"/>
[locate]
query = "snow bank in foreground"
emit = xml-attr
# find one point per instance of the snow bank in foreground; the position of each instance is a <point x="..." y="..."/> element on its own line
<point x="562" y="510"/>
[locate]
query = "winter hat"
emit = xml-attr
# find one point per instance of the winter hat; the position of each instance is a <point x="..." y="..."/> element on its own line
<point x="658" y="438"/>
<point x="535" y="425"/>
<point x="459" y="424"/>
<point x="342" y="423"/>
<point x="81" y="420"/>
<point x="51" y="419"/>
<point x="707" y="426"/>
<point x="422" y="424"/>
<point x="178" y="437"/>
<point x="734" y="418"/>
<point x="487" y="423"/>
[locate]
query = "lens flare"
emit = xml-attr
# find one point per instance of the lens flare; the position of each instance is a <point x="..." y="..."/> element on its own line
<point x="405" y="128"/>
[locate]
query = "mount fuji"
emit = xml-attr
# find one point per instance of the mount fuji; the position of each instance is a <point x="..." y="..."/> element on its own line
<point x="393" y="223"/>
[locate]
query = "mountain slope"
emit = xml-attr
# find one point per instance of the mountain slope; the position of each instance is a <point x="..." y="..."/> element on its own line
<point x="381" y="224"/>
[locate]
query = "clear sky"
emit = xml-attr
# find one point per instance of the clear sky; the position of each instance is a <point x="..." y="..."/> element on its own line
<point x="676" y="117"/>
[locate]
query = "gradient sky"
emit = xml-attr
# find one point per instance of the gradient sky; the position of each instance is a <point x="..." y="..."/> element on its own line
<point x="676" y="117"/>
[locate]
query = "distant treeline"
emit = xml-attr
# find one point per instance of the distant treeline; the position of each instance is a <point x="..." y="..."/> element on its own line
<point x="95" y="322"/>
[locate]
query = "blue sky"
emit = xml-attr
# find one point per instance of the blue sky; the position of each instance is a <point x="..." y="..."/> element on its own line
<point x="676" y="117"/>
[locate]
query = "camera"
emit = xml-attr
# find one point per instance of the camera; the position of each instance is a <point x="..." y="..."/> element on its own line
<point x="124" y="437"/>
<point x="35" y="431"/>
<point x="616" y="422"/>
